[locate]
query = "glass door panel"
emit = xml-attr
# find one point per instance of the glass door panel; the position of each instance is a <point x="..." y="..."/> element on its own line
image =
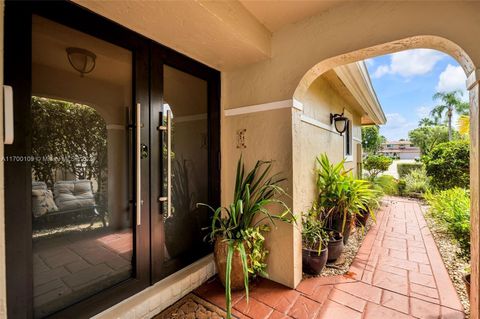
<point x="82" y="228"/>
<point x="185" y="154"/>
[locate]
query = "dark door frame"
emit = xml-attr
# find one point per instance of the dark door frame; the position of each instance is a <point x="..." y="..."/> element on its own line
<point x="18" y="219"/>
<point x="160" y="56"/>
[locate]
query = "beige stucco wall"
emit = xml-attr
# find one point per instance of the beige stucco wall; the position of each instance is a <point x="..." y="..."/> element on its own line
<point x="309" y="141"/>
<point x="268" y="137"/>
<point x="346" y="30"/>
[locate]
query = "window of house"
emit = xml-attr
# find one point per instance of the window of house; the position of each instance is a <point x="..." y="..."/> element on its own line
<point x="348" y="141"/>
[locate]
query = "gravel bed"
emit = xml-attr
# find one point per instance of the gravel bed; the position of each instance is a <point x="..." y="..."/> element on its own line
<point x="454" y="263"/>
<point x="342" y="264"/>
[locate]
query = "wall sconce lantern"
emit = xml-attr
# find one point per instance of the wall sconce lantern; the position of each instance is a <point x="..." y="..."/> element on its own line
<point x="341" y="122"/>
<point x="81" y="60"/>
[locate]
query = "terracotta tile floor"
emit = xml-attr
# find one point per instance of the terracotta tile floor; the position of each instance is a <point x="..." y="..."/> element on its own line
<point x="70" y="267"/>
<point x="397" y="273"/>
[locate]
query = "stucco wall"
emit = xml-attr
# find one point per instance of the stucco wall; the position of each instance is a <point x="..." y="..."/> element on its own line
<point x="357" y="25"/>
<point x="268" y="136"/>
<point x="309" y="141"/>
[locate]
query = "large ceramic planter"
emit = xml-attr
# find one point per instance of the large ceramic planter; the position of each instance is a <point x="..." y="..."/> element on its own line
<point x="312" y="262"/>
<point x="220" y="253"/>
<point x="466" y="280"/>
<point x="335" y="246"/>
<point x="361" y="220"/>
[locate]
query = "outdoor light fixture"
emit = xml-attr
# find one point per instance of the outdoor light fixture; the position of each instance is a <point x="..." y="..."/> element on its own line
<point x="81" y="60"/>
<point x="341" y="122"/>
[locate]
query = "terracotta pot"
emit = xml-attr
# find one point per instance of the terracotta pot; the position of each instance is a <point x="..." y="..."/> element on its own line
<point x="335" y="246"/>
<point x="361" y="221"/>
<point x="220" y="253"/>
<point x="312" y="262"/>
<point x="466" y="280"/>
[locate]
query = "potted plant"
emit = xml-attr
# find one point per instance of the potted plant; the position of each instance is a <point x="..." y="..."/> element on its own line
<point x="335" y="244"/>
<point x="314" y="240"/>
<point x="236" y="230"/>
<point x="341" y="196"/>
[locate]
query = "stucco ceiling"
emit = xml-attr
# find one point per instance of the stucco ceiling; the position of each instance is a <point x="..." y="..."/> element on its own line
<point x="222" y="34"/>
<point x="275" y="14"/>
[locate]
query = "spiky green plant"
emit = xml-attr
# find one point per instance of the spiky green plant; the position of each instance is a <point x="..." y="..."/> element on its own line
<point x="254" y="192"/>
<point x="341" y="197"/>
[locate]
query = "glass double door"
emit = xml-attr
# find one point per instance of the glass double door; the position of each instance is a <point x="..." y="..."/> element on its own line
<point x="115" y="144"/>
<point x="183" y="179"/>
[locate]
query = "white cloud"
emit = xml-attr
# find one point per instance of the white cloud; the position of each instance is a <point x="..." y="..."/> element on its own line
<point x="370" y="62"/>
<point x="397" y="127"/>
<point x="451" y="79"/>
<point x="410" y="63"/>
<point x="423" y="111"/>
<point x="381" y="71"/>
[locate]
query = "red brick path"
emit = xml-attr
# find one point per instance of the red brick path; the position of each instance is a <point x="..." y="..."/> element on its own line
<point x="397" y="273"/>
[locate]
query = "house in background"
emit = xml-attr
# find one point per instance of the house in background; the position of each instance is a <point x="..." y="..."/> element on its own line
<point x="400" y="150"/>
<point x="183" y="88"/>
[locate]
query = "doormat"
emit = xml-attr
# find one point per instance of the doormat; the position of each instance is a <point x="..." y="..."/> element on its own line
<point x="192" y="307"/>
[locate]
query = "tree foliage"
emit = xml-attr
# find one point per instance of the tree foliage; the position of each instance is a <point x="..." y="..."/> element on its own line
<point x="427" y="122"/>
<point x="371" y="139"/>
<point x="427" y="137"/>
<point x="67" y="137"/>
<point x="376" y="164"/>
<point x="448" y="165"/>
<point x="450" y="103"/>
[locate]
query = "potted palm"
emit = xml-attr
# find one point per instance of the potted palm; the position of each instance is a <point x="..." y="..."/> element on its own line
<point x="314" y="240"/>
<point x="236" y="230"/>
<point x="341" y="197"/>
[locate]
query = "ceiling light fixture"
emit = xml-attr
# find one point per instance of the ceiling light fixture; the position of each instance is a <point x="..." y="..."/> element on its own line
<point x="81" y="60"/>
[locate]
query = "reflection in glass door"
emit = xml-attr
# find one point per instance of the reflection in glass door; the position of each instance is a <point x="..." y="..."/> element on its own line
<point x="81" y="217"/>
<point x="185" y="157"/>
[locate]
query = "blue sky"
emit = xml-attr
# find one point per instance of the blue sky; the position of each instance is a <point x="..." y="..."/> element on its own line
<point x="405" y="83"/>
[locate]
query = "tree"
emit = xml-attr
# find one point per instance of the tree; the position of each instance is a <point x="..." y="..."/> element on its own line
<point x="448" y="165"/>
<point x="427" y="137"/>
<point x="450" y="103"/>
<point x="427" y="122"/>
<point x="371" y="139"/>
<point x="376" y="164"/>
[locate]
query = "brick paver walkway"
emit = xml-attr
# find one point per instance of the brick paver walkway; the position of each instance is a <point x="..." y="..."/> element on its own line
<point x="397" y="273"/>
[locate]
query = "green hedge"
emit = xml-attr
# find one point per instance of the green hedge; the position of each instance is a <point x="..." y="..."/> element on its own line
<point x="404" y="169"/>
<point x="448" y="165"/>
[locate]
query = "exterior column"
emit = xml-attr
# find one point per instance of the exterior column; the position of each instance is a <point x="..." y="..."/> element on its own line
<point x="473" y="87"/>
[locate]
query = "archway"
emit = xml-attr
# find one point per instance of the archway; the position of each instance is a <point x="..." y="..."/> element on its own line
<point x="471" y="71"/>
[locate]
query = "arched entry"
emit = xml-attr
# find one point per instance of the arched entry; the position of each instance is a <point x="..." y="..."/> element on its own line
<point x="472" y="73"/>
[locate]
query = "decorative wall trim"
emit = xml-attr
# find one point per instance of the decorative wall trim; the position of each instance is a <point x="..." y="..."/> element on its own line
<point x="115" y="127"/>
<point x="297" y="105"/>
<point x="190" y="118"/>
<point x="473" y="78"/>
<point x="306" y="119"/>
<point x="264" y="107"/>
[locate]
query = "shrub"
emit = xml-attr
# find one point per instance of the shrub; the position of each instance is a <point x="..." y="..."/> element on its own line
<point x="417" y="182"/>
<point x="401" y="187"/>
<point x="404" y="169"/>
<point x="387" y="184"/>
<point x="451" y="208"/>
<point x="376" y="164"/>
<point x="448" y="165"/>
